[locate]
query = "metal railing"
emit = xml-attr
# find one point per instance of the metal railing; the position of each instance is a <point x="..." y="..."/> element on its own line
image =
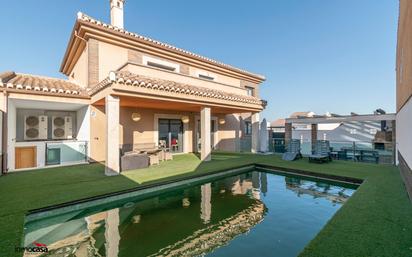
<point x="360" y="151"/>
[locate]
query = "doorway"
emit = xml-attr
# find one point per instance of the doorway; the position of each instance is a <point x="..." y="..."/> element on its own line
<point x="25" y="157"/>
<point x="171" y="134"/>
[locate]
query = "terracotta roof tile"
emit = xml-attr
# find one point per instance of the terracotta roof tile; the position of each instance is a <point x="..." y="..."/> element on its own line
<point x="130" y="79"/>
<point x="26" y="82"/>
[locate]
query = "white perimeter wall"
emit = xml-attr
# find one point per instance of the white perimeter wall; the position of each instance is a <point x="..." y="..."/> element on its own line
<point x="404" y="132"/>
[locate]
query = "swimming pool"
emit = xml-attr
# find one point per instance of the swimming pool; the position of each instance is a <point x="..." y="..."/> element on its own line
<point x="249" y="214"/>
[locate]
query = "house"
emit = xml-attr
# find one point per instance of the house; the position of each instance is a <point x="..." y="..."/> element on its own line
<point x="404" y="92"/>
<point x="124" y="89"/>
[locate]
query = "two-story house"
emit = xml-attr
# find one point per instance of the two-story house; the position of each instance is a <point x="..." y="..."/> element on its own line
<point x="124" y="89"/>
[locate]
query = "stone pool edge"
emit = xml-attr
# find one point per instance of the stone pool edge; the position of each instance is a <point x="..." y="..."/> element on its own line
<point x="168" y="184"/>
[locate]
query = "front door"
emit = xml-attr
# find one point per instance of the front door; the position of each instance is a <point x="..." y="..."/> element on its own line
<point x="25" y="157"/>
<point x="171" y="134"/>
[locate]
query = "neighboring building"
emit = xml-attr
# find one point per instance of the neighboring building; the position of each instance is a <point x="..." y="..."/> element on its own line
<point x="125" y="89"/>
<point x="404" y="92"/>
<point x="368" y="131"/>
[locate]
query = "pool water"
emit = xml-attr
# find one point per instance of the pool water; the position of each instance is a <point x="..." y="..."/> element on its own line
<point x="251" y="214"/>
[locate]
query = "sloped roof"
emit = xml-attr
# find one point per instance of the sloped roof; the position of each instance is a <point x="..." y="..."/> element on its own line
<point x="85" y="18"/>
<point x="39" y="84"/>
<point x="301" y="114"/>
<point x="128" y="78"/>
<point x="278" y="123"/>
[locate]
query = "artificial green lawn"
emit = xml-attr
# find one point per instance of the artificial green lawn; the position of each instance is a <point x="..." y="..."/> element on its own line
<point x="376" y="221"/>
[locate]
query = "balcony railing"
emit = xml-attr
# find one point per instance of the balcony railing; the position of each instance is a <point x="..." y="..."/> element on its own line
<point x="70" y="152"/>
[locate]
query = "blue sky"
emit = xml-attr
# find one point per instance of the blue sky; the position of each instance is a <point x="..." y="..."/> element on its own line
<point x="318" y="55"/>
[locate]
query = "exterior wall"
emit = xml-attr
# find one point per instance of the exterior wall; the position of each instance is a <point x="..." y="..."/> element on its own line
<point x="81" y="130"/>
<point x="79" y="75"/>
<point x="111" y="57"/>
<point x="145" y="130"/>
<point x="105" y="57"/>
<point x="173" y="76"/>
<point x="404" y="55"/>
<point x="404" y="132"/>
<point x="92" y="62"/>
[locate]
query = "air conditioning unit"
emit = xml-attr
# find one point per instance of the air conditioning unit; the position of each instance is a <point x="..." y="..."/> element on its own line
<point x="62" y="127"/>
<point x="35" y="127"/>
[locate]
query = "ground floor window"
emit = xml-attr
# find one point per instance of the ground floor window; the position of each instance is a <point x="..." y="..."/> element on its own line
<point x="248" y="128"/>
<point x="171" y="134"/>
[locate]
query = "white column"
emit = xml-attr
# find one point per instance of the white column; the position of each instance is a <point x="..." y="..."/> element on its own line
<point x="112" y="135"/>
<point x="255" y="132"/>
<point x="205" y="152"/>
<point x="111" y="233"/>
<point x="206" y="205"/>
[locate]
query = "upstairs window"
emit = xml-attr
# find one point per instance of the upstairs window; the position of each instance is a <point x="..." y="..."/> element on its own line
<point x="205" y="75"/>
<point x="160" y="64"/>
<point x="250" y="91"/>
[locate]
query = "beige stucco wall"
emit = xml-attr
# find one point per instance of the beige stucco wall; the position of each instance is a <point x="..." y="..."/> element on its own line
<point x="404" y="55"/>
<point x="79" y="75"/>
<point x="111" y="57"/>
<point x="172" y="76"/>
<point x="144" y="131"/>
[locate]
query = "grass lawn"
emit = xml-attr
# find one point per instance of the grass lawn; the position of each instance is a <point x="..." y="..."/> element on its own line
<point x="376" y="221"/>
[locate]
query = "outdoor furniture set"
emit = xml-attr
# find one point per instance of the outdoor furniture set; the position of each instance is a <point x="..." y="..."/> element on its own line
<point x="143" y="155"/>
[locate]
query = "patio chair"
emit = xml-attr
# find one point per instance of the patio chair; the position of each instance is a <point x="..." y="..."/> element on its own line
<point x="292" y="151"/>
<point x="321" y="153"/>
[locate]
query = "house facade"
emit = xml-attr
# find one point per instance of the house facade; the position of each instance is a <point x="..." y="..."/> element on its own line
<point x="404" y="92"/>
<point x="124" y="89"/>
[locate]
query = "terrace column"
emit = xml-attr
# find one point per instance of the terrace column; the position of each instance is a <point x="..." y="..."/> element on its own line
<point x="205" y="151"/>
<point x="255" y="132"/>
<point x="288" y="133"/>
<point x="314" y="135"/>
<point x="111" y="233"/>
<point x="112" y="135"/>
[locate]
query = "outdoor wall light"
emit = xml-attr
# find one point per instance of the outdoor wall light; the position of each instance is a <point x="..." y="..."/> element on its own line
<point x="136" y="116"/>
<point x="185" y="119"/>
<point x="222" y="121"/>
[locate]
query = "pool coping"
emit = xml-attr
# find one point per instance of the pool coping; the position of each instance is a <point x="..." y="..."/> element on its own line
<point x="171" y="183"/>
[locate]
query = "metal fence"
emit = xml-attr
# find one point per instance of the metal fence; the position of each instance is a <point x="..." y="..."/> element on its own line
<point x="344" y="150"/>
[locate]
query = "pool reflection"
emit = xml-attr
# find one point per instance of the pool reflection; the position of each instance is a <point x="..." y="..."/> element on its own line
<point x="186" y="221"/>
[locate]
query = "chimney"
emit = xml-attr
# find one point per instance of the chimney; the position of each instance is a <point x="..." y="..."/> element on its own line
<point x="116" y="13"/>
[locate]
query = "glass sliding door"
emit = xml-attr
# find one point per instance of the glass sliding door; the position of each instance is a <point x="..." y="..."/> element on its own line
<point x="171" y="134"/>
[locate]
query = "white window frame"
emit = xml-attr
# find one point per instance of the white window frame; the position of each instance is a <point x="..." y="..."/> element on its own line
<point x="207" y="74"/>
<point x="147" y="59"/>
<point x="252" y="90"/>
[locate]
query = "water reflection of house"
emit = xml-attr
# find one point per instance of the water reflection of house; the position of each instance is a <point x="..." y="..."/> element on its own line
<point x="316" y="190"/>
<point x="207" y="219"/>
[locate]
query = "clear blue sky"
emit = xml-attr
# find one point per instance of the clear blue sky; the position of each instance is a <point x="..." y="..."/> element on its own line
<point x="318" y="55"/>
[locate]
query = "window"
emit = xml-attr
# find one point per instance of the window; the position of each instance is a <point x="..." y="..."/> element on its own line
<point x="206" y="77"/>
<point x="160" y="64"/>
<point x="353" y="131"/>
<point x="250" y="91"/>
<point x="248" y="128"/>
